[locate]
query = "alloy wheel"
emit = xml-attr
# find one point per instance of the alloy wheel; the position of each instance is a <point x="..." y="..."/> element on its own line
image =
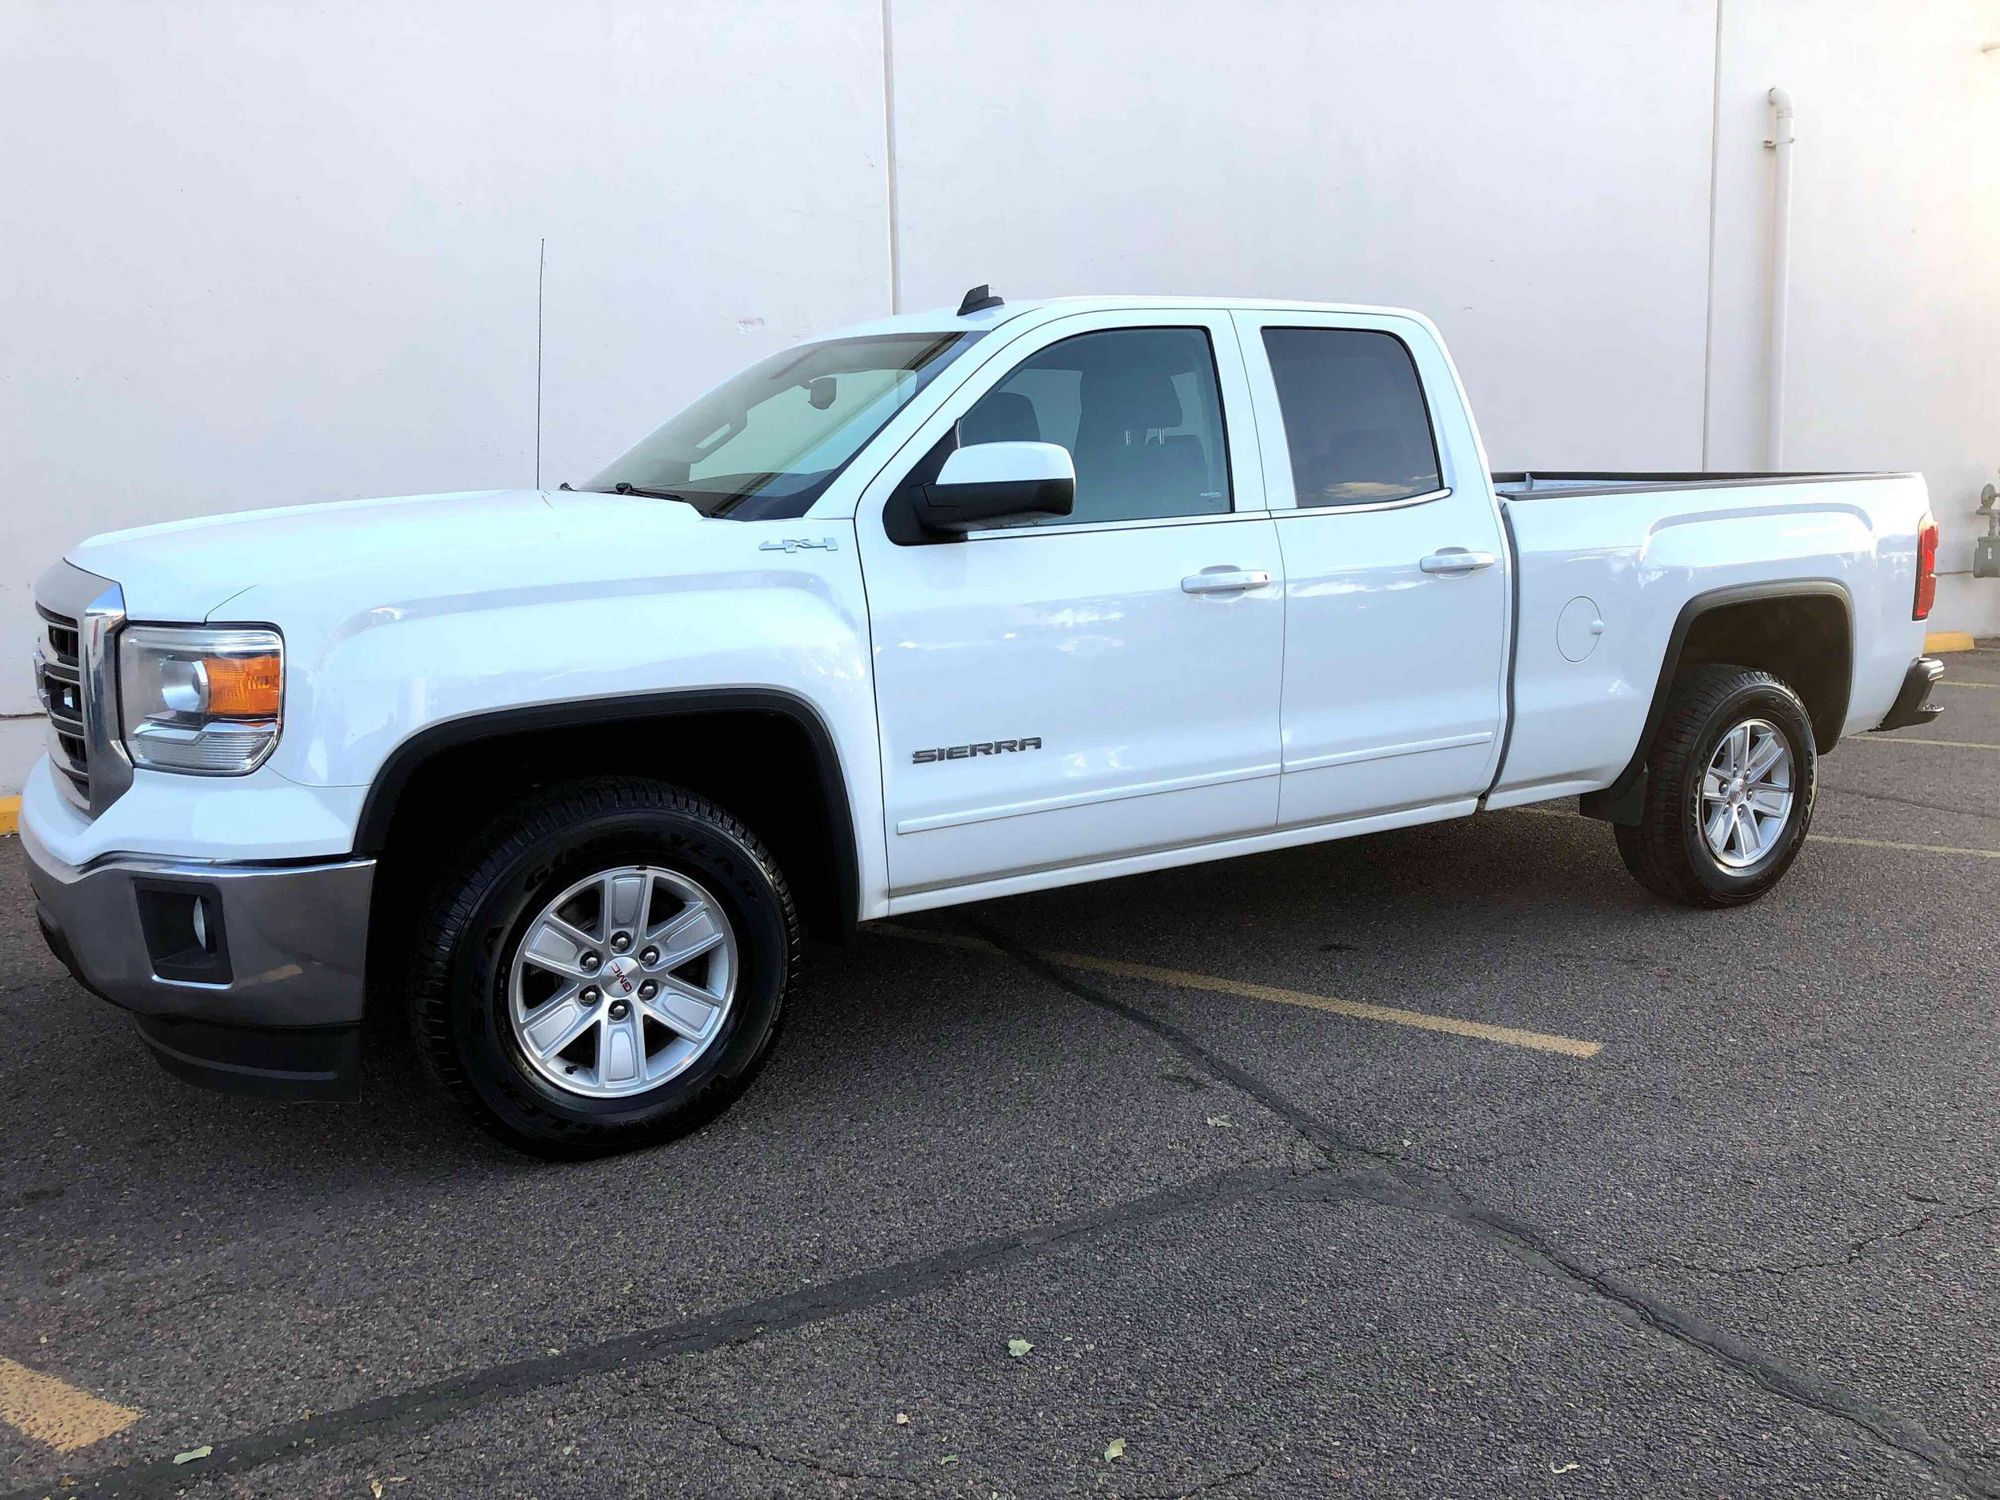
<point x="622" y="981"/>
<point x="1746" y="798"/>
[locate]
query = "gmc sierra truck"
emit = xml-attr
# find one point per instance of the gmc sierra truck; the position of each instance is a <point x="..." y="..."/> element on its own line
<point x="934" y="610"/>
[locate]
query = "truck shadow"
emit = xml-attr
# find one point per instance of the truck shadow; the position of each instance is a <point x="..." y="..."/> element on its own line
<point x="1471" y="884"/>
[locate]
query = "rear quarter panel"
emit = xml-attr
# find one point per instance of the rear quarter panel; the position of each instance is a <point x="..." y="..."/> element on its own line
<point x="1637" y="557"/>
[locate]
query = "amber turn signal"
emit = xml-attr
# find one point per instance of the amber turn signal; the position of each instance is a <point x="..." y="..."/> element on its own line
<point x="243" y="687"/>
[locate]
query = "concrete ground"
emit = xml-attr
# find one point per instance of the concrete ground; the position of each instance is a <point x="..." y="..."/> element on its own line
<point x="1745" y="1242"/>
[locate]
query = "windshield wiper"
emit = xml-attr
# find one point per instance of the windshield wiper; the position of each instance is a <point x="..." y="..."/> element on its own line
<point x="622" y="488"/>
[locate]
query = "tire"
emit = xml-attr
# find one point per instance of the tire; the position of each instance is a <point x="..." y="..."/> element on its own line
<point x="1669" y="851"/>
<point x="538" y="929"/>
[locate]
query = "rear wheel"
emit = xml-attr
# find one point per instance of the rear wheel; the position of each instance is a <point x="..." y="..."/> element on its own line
<point x="606" y="969"/>
<point x="1729" y="793"/>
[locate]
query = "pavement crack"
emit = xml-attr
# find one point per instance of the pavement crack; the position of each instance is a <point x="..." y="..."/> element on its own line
<point x="1857" y="1249"/>
<point x="802" y="1460"/>
<point x="1316" y="1132"/>
<point x="1394" y="1184"/>
<point x="1202" y="1486"/>
<point x="425" y="1406"/>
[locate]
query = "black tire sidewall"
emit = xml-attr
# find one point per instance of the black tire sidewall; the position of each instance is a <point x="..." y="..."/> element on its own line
<point x="515" y="889"/>
<point x="1753" y="700"/>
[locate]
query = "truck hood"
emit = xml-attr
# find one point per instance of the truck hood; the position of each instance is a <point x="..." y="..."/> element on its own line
<point x="189" y="570"/>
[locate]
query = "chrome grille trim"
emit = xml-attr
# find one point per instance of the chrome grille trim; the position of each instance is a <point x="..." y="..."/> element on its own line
<point x="76" y="680"/>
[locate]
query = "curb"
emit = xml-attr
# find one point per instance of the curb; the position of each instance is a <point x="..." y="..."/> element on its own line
<point x="10" y="814"/>
<point x="1948" y="640"/>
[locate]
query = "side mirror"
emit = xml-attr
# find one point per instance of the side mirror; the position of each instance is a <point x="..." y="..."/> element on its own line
<point x="990" y="482"/>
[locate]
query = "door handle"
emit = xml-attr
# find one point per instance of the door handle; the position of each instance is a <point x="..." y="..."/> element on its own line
<point x="1451" y="561"/>
<point x="1225" y="580"/>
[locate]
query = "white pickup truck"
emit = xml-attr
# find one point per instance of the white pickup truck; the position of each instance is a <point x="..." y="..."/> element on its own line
<point x="942" y="608"/>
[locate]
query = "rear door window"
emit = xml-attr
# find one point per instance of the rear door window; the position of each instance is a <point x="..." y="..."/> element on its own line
<point x="1356" y="424"/>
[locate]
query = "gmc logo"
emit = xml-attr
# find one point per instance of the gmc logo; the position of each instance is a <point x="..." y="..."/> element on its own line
<point x="966" y="752"/>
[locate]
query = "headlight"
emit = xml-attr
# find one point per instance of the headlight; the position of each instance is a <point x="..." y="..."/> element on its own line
<point x="193" y="698"/>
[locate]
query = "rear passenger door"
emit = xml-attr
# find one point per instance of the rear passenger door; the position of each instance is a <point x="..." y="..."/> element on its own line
<point x="1396" y="594"/>
<point x="1090" y="688"/>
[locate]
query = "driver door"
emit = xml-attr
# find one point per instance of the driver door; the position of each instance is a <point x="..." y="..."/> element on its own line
<point x="1093" y="690"/>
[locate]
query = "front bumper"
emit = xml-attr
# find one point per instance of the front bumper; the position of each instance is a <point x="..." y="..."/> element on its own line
<point x="248" y="978"/>
<point x="1913" y="705"/>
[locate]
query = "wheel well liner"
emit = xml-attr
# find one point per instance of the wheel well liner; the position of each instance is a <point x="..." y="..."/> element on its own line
<point x="1782" y="624"/>
<point x="409" y="759"/>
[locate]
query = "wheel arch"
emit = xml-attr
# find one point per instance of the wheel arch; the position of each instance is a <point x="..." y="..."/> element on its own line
<point x="1800" y="630"/>
<point x="515" y="748"/>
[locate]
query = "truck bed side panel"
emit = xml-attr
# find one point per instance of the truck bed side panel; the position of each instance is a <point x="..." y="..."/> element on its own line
<point x="1633" y="558"/>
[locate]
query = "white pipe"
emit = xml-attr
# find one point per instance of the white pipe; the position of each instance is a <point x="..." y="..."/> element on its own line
<point x="889" y="158"/>
<point x="1781" y="141"/>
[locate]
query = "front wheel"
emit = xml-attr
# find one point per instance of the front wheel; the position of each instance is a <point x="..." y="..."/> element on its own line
<point x="1729" y="790"/>
<point x="606" y="969"/>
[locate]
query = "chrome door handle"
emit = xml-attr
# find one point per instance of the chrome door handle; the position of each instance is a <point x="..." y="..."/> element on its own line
<point x="1224" y="580"/>
<point x="1454" y="560"/>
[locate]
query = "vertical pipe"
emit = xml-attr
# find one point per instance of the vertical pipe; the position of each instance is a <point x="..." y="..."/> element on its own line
<point x="1781" y="141"/>
<point x="541" y="269"/>
<point x="889" y="157"/>
<point x="1714" y="171"/>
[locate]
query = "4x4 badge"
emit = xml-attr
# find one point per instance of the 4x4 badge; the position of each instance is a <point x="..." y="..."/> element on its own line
<point x="797" y="544"/>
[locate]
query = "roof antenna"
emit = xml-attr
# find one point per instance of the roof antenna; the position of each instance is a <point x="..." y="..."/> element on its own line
<point x="978" y="300"/>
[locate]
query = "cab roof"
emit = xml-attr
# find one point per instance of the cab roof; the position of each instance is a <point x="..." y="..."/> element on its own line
<point x="1035" y="310"/>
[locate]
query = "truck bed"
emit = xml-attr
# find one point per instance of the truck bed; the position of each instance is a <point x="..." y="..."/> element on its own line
<point x="1528" y="484"/>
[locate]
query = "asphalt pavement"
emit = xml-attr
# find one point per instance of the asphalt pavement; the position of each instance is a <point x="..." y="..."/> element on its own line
<point x="1439" y="1162"/>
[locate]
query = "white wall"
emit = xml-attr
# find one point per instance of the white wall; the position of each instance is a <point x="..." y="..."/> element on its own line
<point x="1532" y="174"/>
<point x="266" y="253"/>
<point x="1893" y="357"/>
<point x="259" y="253"/>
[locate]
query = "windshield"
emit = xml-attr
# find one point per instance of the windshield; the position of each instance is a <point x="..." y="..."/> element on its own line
<point x="766" y="443"/>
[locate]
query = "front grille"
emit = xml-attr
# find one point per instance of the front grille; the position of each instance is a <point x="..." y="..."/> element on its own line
<point x="59" y="684"/>
<point x="80" y="614"/>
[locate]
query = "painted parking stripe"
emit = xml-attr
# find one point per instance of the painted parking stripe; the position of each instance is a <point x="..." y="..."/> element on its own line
<point x="1984" y="687"/>
<point x="55" y="1412"/>
<point x="1904" y="739"/>
<point x="1814" y="838"/>
<point x="1506" y="1036"/>
<point x="1835" y="838"/>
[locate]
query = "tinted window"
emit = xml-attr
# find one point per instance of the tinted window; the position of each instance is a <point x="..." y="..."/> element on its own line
<point x="1139" y="412"/>
<point x="1355" y="419"/>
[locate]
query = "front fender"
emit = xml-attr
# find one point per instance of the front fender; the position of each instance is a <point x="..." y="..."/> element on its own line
<point x="365" y="684"/>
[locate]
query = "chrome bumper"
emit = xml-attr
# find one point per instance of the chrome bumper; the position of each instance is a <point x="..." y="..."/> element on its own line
<point x="243" y="977"/>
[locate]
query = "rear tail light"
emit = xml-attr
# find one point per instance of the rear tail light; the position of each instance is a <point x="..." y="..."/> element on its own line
<point x="1927" y="544"/>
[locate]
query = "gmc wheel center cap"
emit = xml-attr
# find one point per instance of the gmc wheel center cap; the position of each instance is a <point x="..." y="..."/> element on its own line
<point x="620" y="975"/>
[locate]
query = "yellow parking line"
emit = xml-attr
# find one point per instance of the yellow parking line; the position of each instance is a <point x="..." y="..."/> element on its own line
<point x="1904" y="739"/>
<point x="1507" y="1036"/>
<point x="1984" y="687"/>
<point x="55" y="1412"/>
